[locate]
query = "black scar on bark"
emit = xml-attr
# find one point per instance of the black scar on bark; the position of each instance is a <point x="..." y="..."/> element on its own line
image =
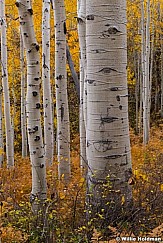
<point x="114" y="89"/>
<point x="59" y="77"/>
<point x="79" y="20"/>
<point x="90" y="81"/>
<point x="113" y="30"/>
<point x="107" y="70"/>
<point x="30" y="10"/>
<point x="25" y="34"/>
<point x="62" y="112"/>
<point x="90" y="17"/>
<point x="64" y="28"/>
<point x="17" y="4"/>
<point x="118" y="98"/>
<point x="37" y="138"/>
<point x="108" y="119"/>
<point x="34" y="93"/>
<point x="37" y="47"/>
<point x="38" y="106"/>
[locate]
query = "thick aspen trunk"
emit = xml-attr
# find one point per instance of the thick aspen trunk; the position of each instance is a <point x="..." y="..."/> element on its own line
<point x="63" y="126"/>
<point x="23" y="100"/>
<point x="7" y="115"/>
<point x="108" y="143"/>
<point x="36" y="148"/>
<point x="47" y="100"/>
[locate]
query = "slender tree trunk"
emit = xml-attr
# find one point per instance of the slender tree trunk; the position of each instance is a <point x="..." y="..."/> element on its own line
<point x="36" y="148"/>
<point x="8" y="126"/>
<point x="108" y="143"/>
<point x="161" y="40"/>
<point x="146" y="115"/>
<point x="83" y="96"/>
<point x="137" y="85"/>
<point x="1" y="129"/>
<point x="47" y="101"/>
<point x="63" y="126"/>
<point x="23" y="100"/>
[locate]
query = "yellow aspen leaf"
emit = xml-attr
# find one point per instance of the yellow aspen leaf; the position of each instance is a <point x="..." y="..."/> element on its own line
<point x="62" y="195"/>
<point x="161" y="187"/>
<point x="123" y="200"/>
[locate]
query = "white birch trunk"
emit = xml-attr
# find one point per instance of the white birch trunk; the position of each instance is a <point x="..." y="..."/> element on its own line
<point x="108" y="143"/>
<point x="47" y="100"/>
<point x="83" y="85"/>
<point x="23" y="100"/>
<point x="7" y="115"/>
<point x="36" y="148"/>
<point x="63" y="126"/>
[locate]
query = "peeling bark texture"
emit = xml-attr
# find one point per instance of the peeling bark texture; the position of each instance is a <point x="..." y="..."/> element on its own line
<point x="36" y="148"/>
<point x="63" y="126"/>
<point x="108" y="144"/>
<point x="47" y="98"/>
<point x="83" y="85"/>
<point x="23" y="100"/>
<point x="7" y="115"/>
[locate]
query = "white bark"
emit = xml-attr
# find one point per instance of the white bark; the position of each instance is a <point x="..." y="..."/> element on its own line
<point x="8" y="126"/>
<point x="83" y="84"/>
<point x="63" y="127"/>
<point x="47" y="100"/>
<point x="83" y="58"/>
<point x="23" y="100"/>
<point x="108" y="144"/>
<point x="35" y="140"/>
<point x="145" y="70"/>
<point x="1" y="129"/>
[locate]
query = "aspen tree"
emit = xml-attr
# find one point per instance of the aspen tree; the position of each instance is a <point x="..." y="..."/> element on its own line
<point x="23" y="100"/>
<point x="63" y="126"/>
<point x="47" y="98"/>
<point x="36" y="148"/>
<point x="7" y="115"/>
<point x="107" y="138"/>
<point x="83" y="85"/>
<point x="161" y="39"/>
<point x="1" y="129"/>
<point x="146" y="115"/>
<point x="145" y="55"/>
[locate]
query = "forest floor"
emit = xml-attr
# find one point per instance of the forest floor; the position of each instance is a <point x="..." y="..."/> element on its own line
<point x="117" y="238"/>
<point x="68" y="206"/>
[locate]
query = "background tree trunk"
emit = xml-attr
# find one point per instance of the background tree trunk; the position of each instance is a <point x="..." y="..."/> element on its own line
<point x="7" y="115"/>
<point x="83" y="96"/>
<point x="23" y="100"/>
